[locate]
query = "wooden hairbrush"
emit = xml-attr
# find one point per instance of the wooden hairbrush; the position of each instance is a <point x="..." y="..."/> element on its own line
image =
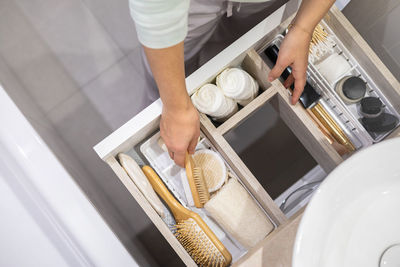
<point x="191" y="231"/>
<point x="197" y="184"/>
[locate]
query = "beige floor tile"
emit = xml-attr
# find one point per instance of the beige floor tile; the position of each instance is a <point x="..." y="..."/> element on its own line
<point x="118" y="94"/>
<point x="115" y="17"/>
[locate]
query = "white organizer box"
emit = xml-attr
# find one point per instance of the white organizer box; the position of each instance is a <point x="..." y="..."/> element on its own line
<point x="349" y="113"/>
<point x="174" y="177"/>
<point x="330" y="103"/>
<point x="169" y="172"/>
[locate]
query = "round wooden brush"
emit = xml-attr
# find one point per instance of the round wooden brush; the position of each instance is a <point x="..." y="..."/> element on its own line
<point x="191" y="231"/>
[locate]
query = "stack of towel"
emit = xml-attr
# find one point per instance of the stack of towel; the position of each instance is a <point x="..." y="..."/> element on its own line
<point x="237" y="84"/>
<point x="209" y="99"/>
<point x="219" y="101"/>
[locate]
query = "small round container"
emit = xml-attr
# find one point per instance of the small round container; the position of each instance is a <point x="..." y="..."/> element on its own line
<point x="370" y="107"/>
<point x="351" y="89"/>
<point x="374" y="118"/>
<point x="383" y="123"/>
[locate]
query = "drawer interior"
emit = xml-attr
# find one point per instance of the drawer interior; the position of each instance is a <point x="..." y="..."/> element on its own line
<point x="364" y="65"/>
<point x="272" y="99"/>
<point x="270" y="150"/>
<point x="140" y="153"/>
<point x="347" y="115"/>
<point x="302" y="154"/>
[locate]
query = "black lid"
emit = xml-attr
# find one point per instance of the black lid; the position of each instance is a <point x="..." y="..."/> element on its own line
<point x="371" y="105"/>
<point x="354" y="88"/>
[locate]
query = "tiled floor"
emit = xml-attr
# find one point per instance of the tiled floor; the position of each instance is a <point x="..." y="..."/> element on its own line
<point x="114" y="16"/>
<point x="120" y="86"/>
<point x="29" y="57"/>
<point x="80" y="42"/>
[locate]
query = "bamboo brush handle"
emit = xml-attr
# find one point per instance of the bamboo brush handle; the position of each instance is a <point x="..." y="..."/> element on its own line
<point x="181" y="213"/>
<point x="189" y="167"/>
<point x="326" y="120"/>
<point x="158" y="186"/>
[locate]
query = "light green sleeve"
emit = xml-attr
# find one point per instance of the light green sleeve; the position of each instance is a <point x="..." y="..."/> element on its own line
<point x="160" y="23"/>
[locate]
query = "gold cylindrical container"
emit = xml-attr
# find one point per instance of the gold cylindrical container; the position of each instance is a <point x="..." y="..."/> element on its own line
<point x="333" y="128"/>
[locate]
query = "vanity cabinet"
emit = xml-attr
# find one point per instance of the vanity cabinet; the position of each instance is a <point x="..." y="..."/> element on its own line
<point x="276" y="248"/>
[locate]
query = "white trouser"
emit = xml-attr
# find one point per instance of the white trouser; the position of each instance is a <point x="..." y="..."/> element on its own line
<point x="207" y="22"/>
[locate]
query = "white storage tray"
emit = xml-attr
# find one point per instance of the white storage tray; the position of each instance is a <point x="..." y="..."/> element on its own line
<point x="171" y="174"/>
<point x="352" y="116"/>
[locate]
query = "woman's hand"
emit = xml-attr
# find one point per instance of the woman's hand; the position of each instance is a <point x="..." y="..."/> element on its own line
<point x="180" y="124"/>
<point x="293" y="53"/>
<point x="180" y="130"/>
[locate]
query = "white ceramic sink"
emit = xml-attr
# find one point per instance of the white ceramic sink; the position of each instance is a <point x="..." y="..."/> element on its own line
<point x="354" y="217"/>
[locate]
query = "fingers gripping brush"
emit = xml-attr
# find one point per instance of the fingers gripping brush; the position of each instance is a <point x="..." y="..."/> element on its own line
<point x="191" y="231"/>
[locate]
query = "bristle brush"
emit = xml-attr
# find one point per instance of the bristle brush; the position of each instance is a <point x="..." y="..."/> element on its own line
<point x="191" y="231"/>
<point x="201" y="185"/>
<point x="197" y="184"/>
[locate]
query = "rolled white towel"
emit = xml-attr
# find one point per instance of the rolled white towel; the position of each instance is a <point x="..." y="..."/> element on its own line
<point x="209" y="99"/>
<point x="238" y="85"/>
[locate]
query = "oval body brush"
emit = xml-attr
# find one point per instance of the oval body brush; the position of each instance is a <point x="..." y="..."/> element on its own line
<point x="134" y="172"/>
<point x="191" y="231"/>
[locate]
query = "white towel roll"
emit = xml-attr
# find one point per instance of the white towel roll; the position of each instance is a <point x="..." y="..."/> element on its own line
<point x="238" y="85"/>
<point x="209" y="99"/>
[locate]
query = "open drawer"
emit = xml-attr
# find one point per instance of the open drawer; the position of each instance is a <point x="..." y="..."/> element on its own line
<point x="245" y="52"/>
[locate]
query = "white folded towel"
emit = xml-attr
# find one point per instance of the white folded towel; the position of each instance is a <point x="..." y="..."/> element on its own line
<point x="209" y="99"/>
<point x="233" y="208"/>
<point x="334" y="67"/>
<point x="238" y="85"/>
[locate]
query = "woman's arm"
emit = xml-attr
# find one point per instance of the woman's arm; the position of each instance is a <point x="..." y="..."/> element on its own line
<point x="179" y="126"/>
<point x="161" y="26"/>
<point x="294" y="49"/>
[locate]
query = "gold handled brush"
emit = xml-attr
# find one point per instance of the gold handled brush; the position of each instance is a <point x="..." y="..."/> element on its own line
<point x="333" y="128"/>
<point x="197" y="184"/>
<point x="191" y="231"/>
